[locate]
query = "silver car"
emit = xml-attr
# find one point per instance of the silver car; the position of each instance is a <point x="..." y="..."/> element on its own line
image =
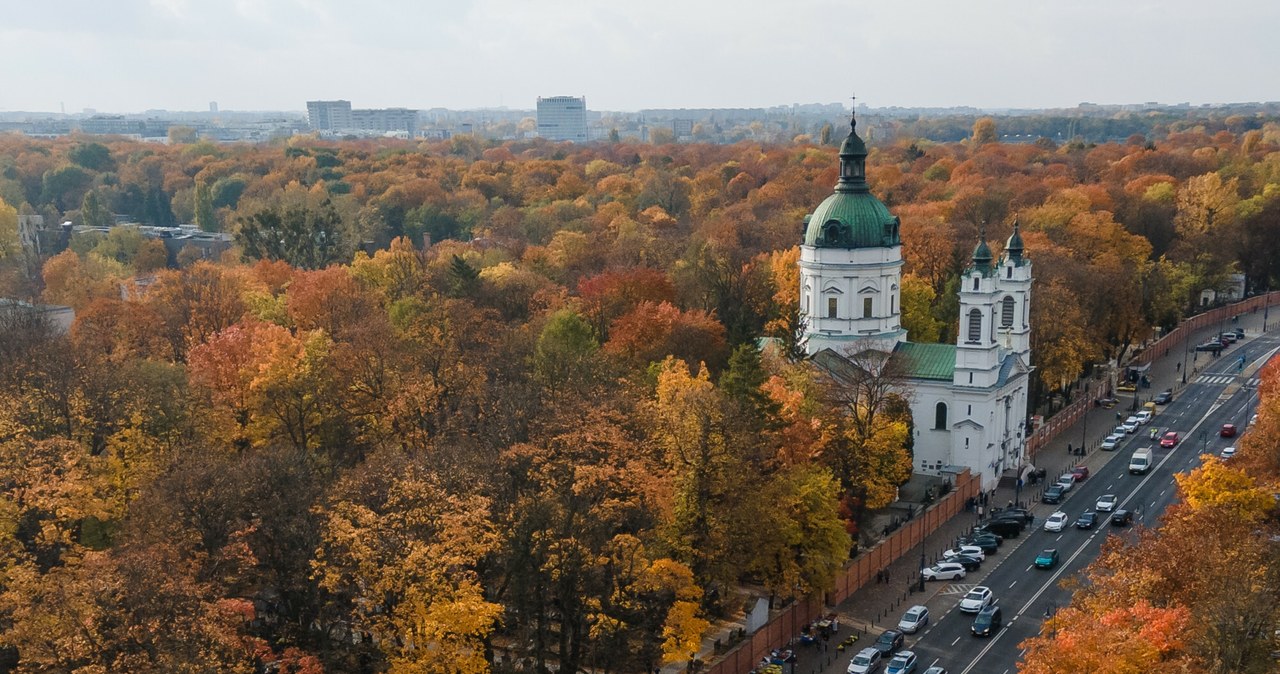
<point x="1106" y="503"/>
<point x="915" y="618"/>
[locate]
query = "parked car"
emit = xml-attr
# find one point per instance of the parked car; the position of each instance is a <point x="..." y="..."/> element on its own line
<point x="903" y="662"/>
<point x="1112" y="441"/>
<point x="1017" y="513"/>
<point x="1106" y="503"/>
<point x="1228" y="452"/>
<point x="1170" y="439"/>
<point x="1086" y="520"/>
<point x="969" y="562"/>
<point x="888" y="642"/>
<point x="1144" y="417"/>
<point x="915" y="618"/>
<point x="1056" y="522"/>
<point x="978" y="598"/>
<point x="1228" y="431"/>
<point x="1121" y="518"/>
<point x="969" y="550"/>
<point x="1081" y="473"/>
<point x="1066" y="481"/>
<point x="1239" y="332"/>
<point x="1211" y="345"/>
<point x="1164" y="397"/>
<point x="1131" y="425"/>
<point x="1004" y="527"/>
<point x="987" y="622"/>
<point x="944" y="571"/>
<point x="987" y="543"/>
<point x="1047" y="559"/>
<point x="1227" y="338"/>
<point x="935" y="670"/>
<point x="1053" y="494"/>
<point x="865" y="662"/>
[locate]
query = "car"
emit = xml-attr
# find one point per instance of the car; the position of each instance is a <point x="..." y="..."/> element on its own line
<point x="1170" y="439"/>
<point x="1112" y="441"/>
<point x="1121" y="518"/>
<point x="935" y="670"/>
<point x="1228" y="338"/>
<point x="1130" y="425"/>
<point x="1211" y="345"/>
<point x="865" y="662"/>
<point x="1086" y="520"/>
<point x="1053" y="494"/>
<point x="1228" y="452"/>
<point x="969" y="562"/>
<point x="1081" y="473"/>
<point x="986" y="542"/>
<point x="888" y="642"/>
<point x="915" y="618"/>
<point x="944" y="571"/>
<point x="1066" y="481"/>
<point x="980" y="535"/>
<point x="1047" y="559"/>
<point x="1228" y="431"/>
<point x="903" y="662"/>
<point x="1106" y="503"/>
<point x="1164" y="397"/>
<point x="1252" y="420"/>
<point x="1005" y="527"/>
<point x="1023" y="513"/>
<point x="987" y="622"/>
<point x="978" y="598"/>
<point x="1119" y="430"/>
<point x="968" y="550"/>
<point x="1239" y="333"/>
<point x="1144" y="417"/>
<point x="1056" y="522"/>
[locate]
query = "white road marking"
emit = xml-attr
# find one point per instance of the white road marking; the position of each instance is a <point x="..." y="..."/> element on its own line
<point x="956" y="641"/>
<point x="1013" y="583"/>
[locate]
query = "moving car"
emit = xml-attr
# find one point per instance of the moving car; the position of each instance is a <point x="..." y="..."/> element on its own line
<point x="1086" y="520"/>
<point x="915" y="618"/>
<point x="1164" y="397"/>
<point x="1053" y="494"/>
<point x="1056" y="522"/>
<point x="889" y="641"/>
<point x="1121" y="518"/>
<point x="1081" y="473"/>
<point x="1047" y="559"/>
<point x="1140" y="462"/>
<point x="1112" y="441"/>
<point x="1106" y="503"/>
<point x="935" y="670"/>
<point x="969" y="550"/>
<point x="1170" y="439"/>
<point x="1131" y="425"/>
<point x="1228" y="431"/>
<point x="978" y="598"/>
<point x="903" y="662"/>
<point x="988" y="621"/>
<point x="1228" y="452"/>
<point x="944" y="571"/>
<point x="866" y="661"/>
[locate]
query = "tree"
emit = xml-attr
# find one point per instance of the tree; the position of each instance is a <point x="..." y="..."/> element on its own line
<point x="565" y="349"/>
<point x="93" y="156"/>
<point x="984" y="131"/>
<point x="303" y="237"/>
<point x="652" y="331"/>
<point x="205" y="218"/>
<point x="93" y="213"/>
<point x="918" y="300"/>
<point x="10" y="244"/>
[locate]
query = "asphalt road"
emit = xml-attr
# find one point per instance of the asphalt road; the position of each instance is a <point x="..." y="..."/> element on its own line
<point x="1028" y="596"/>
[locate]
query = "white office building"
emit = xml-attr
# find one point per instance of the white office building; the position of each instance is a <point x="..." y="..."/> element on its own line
<point x="563" y="118"/>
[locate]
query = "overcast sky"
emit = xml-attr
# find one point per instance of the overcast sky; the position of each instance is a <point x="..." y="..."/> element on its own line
<point x="132" y="55"/>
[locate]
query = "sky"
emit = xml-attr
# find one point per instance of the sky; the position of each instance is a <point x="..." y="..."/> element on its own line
<point x="134" y="55"/>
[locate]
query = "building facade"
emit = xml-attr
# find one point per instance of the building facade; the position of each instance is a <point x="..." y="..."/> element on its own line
<point x="968" y="399"/>
<point x="329" y="115"/>
<point x="562" y="118"/>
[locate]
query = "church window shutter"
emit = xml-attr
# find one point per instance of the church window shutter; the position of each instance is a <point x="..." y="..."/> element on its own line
<point x="1006" y="313"/>
<point x="975" y="325"/>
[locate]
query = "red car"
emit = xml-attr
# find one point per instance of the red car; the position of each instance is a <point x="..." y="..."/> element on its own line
<point x="1170" y="439"/>
<point x="1228" y="431"/>
<point x="1081" y="473"/>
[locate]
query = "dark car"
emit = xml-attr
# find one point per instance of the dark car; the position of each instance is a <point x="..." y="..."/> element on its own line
<point x="1228" y="431"/>
<point x="1052" y="495"/>
<point x="889" y="641"/>
<point x="1164" y="397"/>
<point x="1022" y="513"/>
<point x="1001" y="527"/>
<point x="987" y="622"/>
<point x="1047" y="559"/>
<point x="1211" y="345"/>
<point x="1087" y="520"/>
<point x="987" y="543"/>
<point x="1121" y="518"/>
<point x="969" y="563"/>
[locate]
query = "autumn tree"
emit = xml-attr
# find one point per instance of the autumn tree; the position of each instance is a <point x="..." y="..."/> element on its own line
<point x="303" y="237"/>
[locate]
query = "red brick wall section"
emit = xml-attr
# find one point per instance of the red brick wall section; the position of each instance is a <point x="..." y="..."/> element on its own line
<point x="786" y="625"/>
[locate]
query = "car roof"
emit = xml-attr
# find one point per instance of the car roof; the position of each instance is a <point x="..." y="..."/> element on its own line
<point x="868" y="651"/>
<point x="1048" y="550"/>
<point x="917" y="607"/>
<point x="988" y="610"/>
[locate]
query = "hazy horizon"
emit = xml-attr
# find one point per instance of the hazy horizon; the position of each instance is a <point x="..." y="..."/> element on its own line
<point x="273" y="55"/>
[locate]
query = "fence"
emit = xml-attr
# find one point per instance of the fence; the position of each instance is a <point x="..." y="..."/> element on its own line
<point x="857" y="573"/>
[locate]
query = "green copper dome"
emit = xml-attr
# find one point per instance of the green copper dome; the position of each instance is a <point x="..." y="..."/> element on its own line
<point x="1013" y="248"/>
<point x="852" y="217"/>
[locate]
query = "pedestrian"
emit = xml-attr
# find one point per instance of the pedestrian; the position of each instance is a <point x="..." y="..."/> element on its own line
<point x="886" y="575"/>
<point x="1069" y="450"/>
<point x="1177" y="367"/>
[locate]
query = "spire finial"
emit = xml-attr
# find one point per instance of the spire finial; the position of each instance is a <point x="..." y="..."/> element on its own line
<point x="982" y="230"/>
<point x="853" y="114"/>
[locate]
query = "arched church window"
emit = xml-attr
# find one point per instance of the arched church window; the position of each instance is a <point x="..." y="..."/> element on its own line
<point x="866" y="307"/>
<point x="1008" y="272"/>
<point x="1006" y="312"/>
<point x="975" y="326"/>
<point x="831" y="307"/>
<point x="975" y="283"/>
<point x="940" y="416"/>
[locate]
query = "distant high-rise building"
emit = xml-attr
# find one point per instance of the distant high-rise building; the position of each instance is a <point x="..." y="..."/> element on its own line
<point x="329" y="115"/>
<point x="213" y="107"/>
<point x="563" y="118"/>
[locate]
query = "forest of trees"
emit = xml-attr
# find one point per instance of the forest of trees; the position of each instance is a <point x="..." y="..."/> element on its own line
<point x="449" y="406"/>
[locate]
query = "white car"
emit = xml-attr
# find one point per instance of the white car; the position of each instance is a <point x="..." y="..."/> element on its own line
<point x="1131" y="425"/>
<point x="1056" y="522"/>
<point x="1120" y="430"/>
<point x="970" y="550"/>
<point x="915" y="618"/>
<point x="1143" y="417"/>
<point x="978" y="598"/>
<point x="1228" y="452"/>
<point x="1067" y="481"/>
<point x="1252" y="420"/>
<point x="867" y="660"/>
<point x="1106" y="503"/>
<point x="1113" y="441"/>
<point x="944" y="571"/>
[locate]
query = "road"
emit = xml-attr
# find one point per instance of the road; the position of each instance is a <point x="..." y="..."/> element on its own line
<point x="1027" y="595"/>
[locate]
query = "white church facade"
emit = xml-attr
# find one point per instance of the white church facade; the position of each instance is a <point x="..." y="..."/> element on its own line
<point x="968" y="399"/>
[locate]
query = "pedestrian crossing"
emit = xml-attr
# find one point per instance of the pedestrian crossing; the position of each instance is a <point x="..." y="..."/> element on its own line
<point x="958" y="588"/>
<point x="1222" y="379"/>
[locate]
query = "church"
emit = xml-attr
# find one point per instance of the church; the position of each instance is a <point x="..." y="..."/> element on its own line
<point x="968" y="399"/>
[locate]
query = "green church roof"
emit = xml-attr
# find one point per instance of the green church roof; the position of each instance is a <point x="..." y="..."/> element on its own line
<point x="926" y="361"/>
<point x="852" y="217"/>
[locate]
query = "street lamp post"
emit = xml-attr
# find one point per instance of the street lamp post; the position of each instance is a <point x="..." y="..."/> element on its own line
<point x="922" y="567"/>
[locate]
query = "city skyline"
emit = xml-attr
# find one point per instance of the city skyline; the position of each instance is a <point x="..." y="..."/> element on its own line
<point x="276" y="54"/>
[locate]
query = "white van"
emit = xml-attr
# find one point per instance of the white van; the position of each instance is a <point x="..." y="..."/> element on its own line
<point x="1141" y="461"/>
